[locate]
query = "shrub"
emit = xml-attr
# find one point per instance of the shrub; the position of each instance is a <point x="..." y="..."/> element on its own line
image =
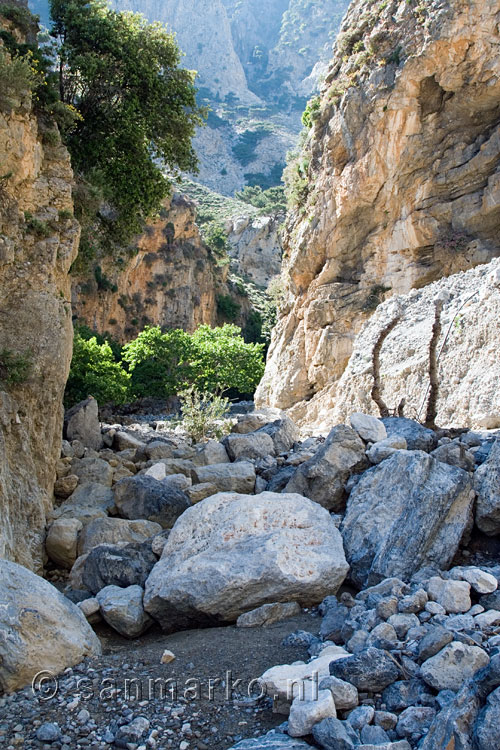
<point x="270" y="201"/>
<point x="203" y="415"/>
<point x="311" y="112"/>
<point x="228" y="307"/>
<point x="95" y="372"/>
<point x="14" y="368"/>
<point x="215" y="238"/>
<point x="16" y="81"/>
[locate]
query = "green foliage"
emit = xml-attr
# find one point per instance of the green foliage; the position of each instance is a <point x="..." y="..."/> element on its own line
<point x="212" y="206"/>
<point x="273" y="178"/>
<point x="203" y="415"/>
<point x="245" y="148"/>
<point x="211" y="359"/>
<point x="138" y="108"/>
<point x="14" y="368"/>
<point x="228" y="307"/>
<point x="17" y="78"/>
<point x="269" y="202"/>
<point x="95" y="372"/>
<point x="311" y="112"/>
<point x="215" y="238"/>
<point x="40" y="229"/>
<point x="103" y="283"/>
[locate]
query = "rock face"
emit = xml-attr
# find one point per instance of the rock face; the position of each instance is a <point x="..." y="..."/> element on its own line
<point x="487" y="486"/>
<point x="402" y="189"/>
<point x="39" y="628"/>
<point x="81" y="422"/>
<point x="38" y="241"/>
<point x="255" y="247"/>
<point x="232" y="553"/>
<point x="405" y="513"/>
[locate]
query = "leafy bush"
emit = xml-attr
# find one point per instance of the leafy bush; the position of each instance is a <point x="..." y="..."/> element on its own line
<point x="16" y="81"/>
<point x="203" y="415"/>
<point x="269" y="202"/>
<point x="95" y="372"/>
<point x="228" y="307"/>
<point x="245" y="148"/>
<point x="14" y="368"/>
<point x="215" y="238"/>
<point x="311" y="112"/>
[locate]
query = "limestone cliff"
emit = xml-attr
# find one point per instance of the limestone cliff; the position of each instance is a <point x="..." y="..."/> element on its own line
<point x="398" y="184"/>
<point x="171" y="281"/>
<point x="38" y="241"/>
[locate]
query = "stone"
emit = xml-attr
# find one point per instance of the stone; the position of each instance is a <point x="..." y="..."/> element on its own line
<point x="385" y="719"/>
<point x="455" y="454"/>
<point x="487" y="619"/>
<point x="480" y="580"/>
<point x="232" y="553"/>
<point x="198" y="492"/>
<point x="134" y="731"/>
<point x="304" y="714"/>
<point x="492" y="601"/>
<point x="405" y="513"/>
<point x="123" y="610"/>
<point x="142" y="497"/>
<point x="385" y="448"/>
<point x="253" y="445"/>
<point x="418" y="437"/>
<point x="415" y="721"/>
<point x="39" y="628"/>
<point x="268" y="614"/>
<point x="323" y="477"/>
<point x="454" y="596"/>
<point x="81" y="422"/>
<point x="413" y="603"/>
<point x="369" y="670"/>
<point x="284" y="433"/>
<point x="402" y="623"/>
<point x="333" y="622"/>
<point x="115" y="531"/>
<point x="48" y="732"/>
<point x="65" y="486"/>
<point x="333" y="734"/>
<point x="344" y="694"/>
<point x="487" y="487"/>
<point x="237" y="477"/>
<point x="486" y="726"/>
<point x="360" y="717"/>
<point x="91" y="610"/>
<point x="125" y="440"/>
<point x="87" y="501"/>
<point x="159" y="541"/>
<point x="167" y="657"/>
<point x="211" y="452"/>
<point x="436" y="639"/>
<point x="116" y="565"/>
<point x="92" y="470"/>
<point x="369" y="428"/>
<point x="159" y="449"/>
<point x="157" y="471"/>
<point x="453" y="665"/>
<point x="279" y="481"/>
<point x="373" y="735"/>
<point x="62" y="541"/>
<point x="404" y="693"/>
<point x="274" y="740"/>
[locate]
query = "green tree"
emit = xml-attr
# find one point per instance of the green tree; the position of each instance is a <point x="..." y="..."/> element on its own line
<point x="95" y="372"/>
<point x="137" y="106"/>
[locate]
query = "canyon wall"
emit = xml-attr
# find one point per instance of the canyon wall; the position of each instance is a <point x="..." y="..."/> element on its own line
<point x="398" y="184"/>
<point x="38" y="242"/>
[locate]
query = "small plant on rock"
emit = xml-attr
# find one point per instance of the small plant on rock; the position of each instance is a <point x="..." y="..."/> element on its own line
<point x="14" y="368"/>
<point x="203" y="414"/>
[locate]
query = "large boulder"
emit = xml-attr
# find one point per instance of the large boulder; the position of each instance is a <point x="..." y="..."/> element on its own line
<point x="81" y="422"/>
<point x="408" y="512"/>
<point x="253" y="445"/>
<point x="232" y="553"/>
<point x="143" y="497"/>
<point x="487" y="486"/>
<point x="62" y="540"/>
<point x="116" y="565"/>
<point x="418" y="437"/>
<point x="123" y="610"/>
<point x="115" y="531"/>
<point x="86" y="503"/>
<point x="284" y="433"/>
<point x="274" y="740"/>
<point x="323" y="477"/>
<point x="237" y="477"/>
<point x="92" y="470"/>
<point x="40" y="630"/>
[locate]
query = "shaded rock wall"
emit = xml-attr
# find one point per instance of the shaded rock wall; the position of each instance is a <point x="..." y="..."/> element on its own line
<point x="403" y="170"/>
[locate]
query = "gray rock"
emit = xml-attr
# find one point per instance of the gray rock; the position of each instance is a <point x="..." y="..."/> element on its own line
<point x="142" y="497"/>
<point x="487" y="486"/>
<point x="404" y="693"/>
<point x="323" y="477"/>
<point x="62" y="541"/>
<point x="385" y="719"/>
<point x="279" y="481"/>
<point x="344" y="694"/>
<point x="81" y="422"/>
<point x="39" y="628"/>
<point x="436" y="639"/>
<point x="253" y="445"/>
<point x="274" y="740"/>
<point x="385" y="448"/>
<point x="370" y="429"/>
<point x="453" y="665"/>
<point x="134" y="731"/>
<point x="333" y="622"/>
<point x="402" y="623"/>
<point x="361" y="716"/>
<point x="373" y="735"/>
<point x="115" y="531"/>
<point x="480" y="580"/>
<point x="405" y="513"/>
<point x="124" y="440"/>
<point x="237" y="477"/>
<point x="268" y="614"/>
<point x="492" y="601"/>
<point x="418" y="438"/>
<point x="92" y="470"/>
<point x="48" y="732"/>
<point x="232" y="553"/>
<point x="486" y="727"/>
<point x="211" y="452"/>
<point x="88" y="501"/>
<point x="415" y="721"/>
<point x="158" y="449"/>
<point x="454" y="596"/>
<point x="370" y="670"/>
<point x="123" y="610"/>
<point x="284" y="433"/>
<point x="333" y="734"/>
<point x="114" y="565"/>
<point x="305" y="714"/>
<point x="455" y="454"/>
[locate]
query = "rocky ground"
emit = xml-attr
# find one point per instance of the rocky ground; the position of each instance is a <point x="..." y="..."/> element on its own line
<point x="159" y="546"/>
